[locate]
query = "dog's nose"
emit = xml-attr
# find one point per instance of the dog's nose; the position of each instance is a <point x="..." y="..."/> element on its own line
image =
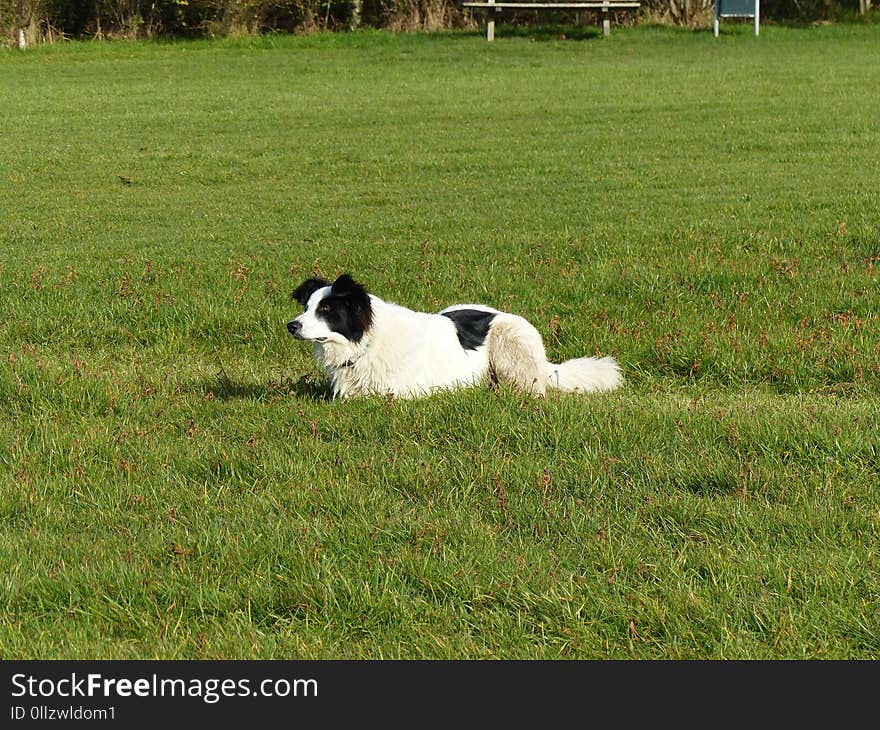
<point x="294" y="327"/>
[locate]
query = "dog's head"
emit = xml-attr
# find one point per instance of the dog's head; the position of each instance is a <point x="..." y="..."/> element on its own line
<point x="335" y="313"/>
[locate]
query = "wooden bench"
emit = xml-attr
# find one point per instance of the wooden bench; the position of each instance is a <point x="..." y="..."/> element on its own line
<point x="604" y="7"/>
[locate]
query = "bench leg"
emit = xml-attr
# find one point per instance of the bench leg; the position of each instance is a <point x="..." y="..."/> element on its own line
<point x="490" y="25"/>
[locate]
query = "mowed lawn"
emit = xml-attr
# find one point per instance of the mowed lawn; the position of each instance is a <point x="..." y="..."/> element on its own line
<point x="174" y="481"/>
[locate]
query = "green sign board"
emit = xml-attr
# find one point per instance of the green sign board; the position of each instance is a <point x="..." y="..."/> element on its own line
<point x="735" y="8"/>
<point x="738" y="9"/>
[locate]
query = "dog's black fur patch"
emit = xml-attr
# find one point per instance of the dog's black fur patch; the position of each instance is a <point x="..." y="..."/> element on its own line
<point x="347" y="310"/>
<point x="307" y="288"/>
<point x="471" y="326"/>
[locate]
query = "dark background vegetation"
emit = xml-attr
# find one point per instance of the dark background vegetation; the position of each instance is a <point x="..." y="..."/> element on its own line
<point x="51" y="20"/>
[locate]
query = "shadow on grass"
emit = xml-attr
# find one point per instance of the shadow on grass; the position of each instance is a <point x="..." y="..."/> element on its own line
<point x="545" y="32"/>
<point x="709" y="485"/>
<point x="223" y="388"/>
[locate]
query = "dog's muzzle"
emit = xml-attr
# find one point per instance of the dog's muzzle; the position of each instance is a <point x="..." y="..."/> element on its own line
<point x="295" y="328"/>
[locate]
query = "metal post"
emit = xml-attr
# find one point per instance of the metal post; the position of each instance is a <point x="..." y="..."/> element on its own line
<point x="606" y="21"/>
<point x="716" y="17"/>
<point x="757" y="15"/>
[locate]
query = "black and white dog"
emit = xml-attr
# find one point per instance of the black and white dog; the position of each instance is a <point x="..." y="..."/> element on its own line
<point x="369" y="346"/>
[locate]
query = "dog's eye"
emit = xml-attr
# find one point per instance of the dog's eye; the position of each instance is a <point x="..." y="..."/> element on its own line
<point x="323" y="307"/>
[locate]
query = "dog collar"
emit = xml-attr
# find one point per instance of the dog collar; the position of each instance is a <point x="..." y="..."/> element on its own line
<point x="350" y="363"/>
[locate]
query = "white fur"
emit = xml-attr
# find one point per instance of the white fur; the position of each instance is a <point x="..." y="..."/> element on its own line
<point x="410" y="354"/>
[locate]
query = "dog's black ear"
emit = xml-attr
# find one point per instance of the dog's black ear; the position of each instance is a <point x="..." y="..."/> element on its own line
<point x="345" y="285"/>
<point x="307" y="288"/>
<point x="356" y="296"/>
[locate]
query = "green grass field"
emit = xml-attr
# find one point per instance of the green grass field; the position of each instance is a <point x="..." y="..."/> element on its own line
<point x="174" y="482"/>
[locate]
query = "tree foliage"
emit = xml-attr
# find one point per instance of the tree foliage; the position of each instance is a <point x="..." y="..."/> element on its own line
<point x="49" y="19"/>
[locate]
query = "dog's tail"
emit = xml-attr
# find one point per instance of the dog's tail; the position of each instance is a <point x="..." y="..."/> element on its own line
<point x="584" y="374"/>
<point x="516" y="356"/>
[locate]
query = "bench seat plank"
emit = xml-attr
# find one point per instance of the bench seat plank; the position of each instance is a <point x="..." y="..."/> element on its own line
<point x="562" y="6"/>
